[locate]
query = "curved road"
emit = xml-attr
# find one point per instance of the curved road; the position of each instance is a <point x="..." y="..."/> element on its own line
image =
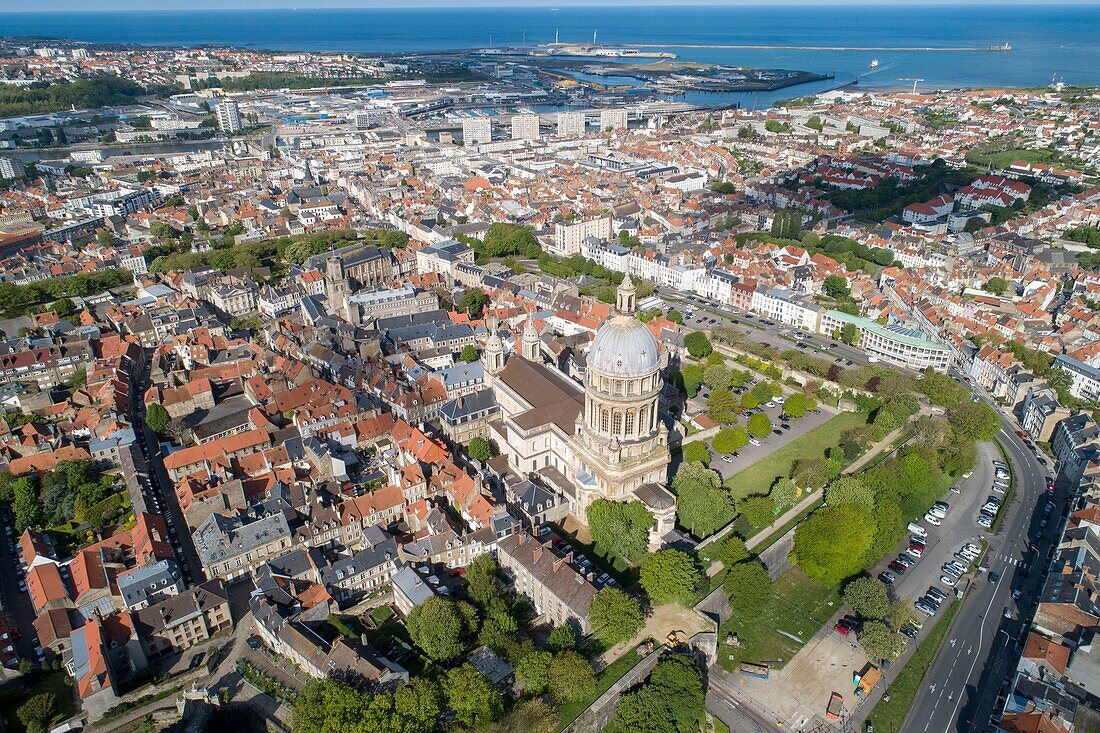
<point x="960" y="689"/>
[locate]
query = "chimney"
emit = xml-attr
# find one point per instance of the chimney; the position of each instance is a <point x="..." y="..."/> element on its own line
<point x="558" y="562"/>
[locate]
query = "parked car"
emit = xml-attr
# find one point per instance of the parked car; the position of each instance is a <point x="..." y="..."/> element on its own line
<point x="932" y="519"/>
<point x="887" y="577"/>
<point x="841" y="629"/>
<point x="897" y="567"/>
<point x="985" y="522"/>
<point x="948" y="580"/>
<point x="754" y="441"/>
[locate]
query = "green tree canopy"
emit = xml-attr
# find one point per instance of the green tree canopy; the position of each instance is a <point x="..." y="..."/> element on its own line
<point x="879" y="642"/>
<point x="722" y="405"/>
<point x="996" y="285"/>
<point x="733" y="551"/>
<point x="621" y="528"/>
<point x="696" y="451"/>
<point x="836" y="286"/>
<point x="760" y="425"/>
<point x="440" y="627"/>
<point x="830" y="545"/>
<point x="473" y="302"/>
<point x="671" y="701"/>
<point x="749" y="589"/>
<point x="562" y="638"/>
<point x="468" y="353"/>
<point x="796" y="405"/>
<point x="479" y="448"/>
<point x="571" y="677"/>
<point x="533" y="671"/>
<point x="849" y="334"/>
<point x="156" y="417"/>
<point x="670" y="576"/>
<point x="703" y="505"/>
<point x="698" y="345"/>
<point x="849" y="490"/>
<point x="473" y="699"/>
<point x="758" y="510"/>
<point x="868" y="597"/>
<point x="975" y="420"/>
<point x="37" y="712"/>
<point x="730" y="439"/>
<point x="614" y="616"/>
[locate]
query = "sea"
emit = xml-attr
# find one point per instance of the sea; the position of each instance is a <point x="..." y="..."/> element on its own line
<point x="932" y="46"/>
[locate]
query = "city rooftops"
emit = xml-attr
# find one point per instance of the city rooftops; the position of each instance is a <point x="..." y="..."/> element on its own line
<point x="902" y="334"/>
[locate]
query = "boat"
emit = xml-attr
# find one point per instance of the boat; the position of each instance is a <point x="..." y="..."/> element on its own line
<point x="1002" y="47"/>
<point x="874" y="64"/>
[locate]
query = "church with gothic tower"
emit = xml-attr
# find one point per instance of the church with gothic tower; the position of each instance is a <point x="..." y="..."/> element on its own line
<point x="604" y="439"/>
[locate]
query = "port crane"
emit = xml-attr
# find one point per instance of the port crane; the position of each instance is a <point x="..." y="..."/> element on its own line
<point x="914" y="82"/>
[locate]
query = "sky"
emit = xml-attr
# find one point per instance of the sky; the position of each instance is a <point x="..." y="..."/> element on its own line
<point x="131" y="5"/>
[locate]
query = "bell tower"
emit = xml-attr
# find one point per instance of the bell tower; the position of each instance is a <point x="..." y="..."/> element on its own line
<point x="531" y="347"/>
<point x="492" y="356"/>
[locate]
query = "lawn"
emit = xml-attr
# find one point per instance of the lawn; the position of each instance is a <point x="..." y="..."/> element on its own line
<point x="759" y="477"/>
<point x="55" y="682"/>
<point x="609" y="676"/>
<point x="888" y="715"/>
<point x="800" y="607"/>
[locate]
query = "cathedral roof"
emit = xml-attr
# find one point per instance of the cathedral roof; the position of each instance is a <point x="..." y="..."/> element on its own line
<point x="553" y="399"/>
<point x="623" y="347"/>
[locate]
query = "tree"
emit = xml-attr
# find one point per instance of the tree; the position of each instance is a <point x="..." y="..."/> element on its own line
<point x="416" y="707"/>
<point x="730" y="439"/>
<point x="760" y="425"/>
<point x="868" y="597"/>
<point x="996" y="285"/>
<point x="836" y="286"/>
<point x="716" y="376"/>
<point x="758" y="510"/>
<point x="532" y="716"/>
<point x="106" y="237"/>
<point x="670" y="576"/>
<point x="975" y="420"/>
<point x="481" y="581"/>
<point x="473" y="302"/>
<point x="621" y="528"/>
<point x="849" y="334"/>
<point x="674" y="316"/>
<point x="37" y="712"/>
<point x="474" y="701"/>
<point x="698" y="345"/>
<point x="571" y="677"/>
<point x="480" y="449"/>
<point x="811" y="472"/>
<point x="849" y="490"/>
<point x="156" y="417"/>
<point x="439" y="628"/>
<point x="879" y="642"/>
<point x="703" y="505"/>
<point x="784" y="493"/>
<point x="901" y="614"/>
<point x="749" y="589"/>
<point x="562" y="639"/>
<point x="533" y="671"/>
<point x="696" y="451"/>
<point x="722" y="406"/>
<point x="468" y="353"/>
<point x="671" y="701"/>
<point x="796" y="406"/>
<point x="614" y="616"/>
<point x="733" y="551"/>
<point x="27" y="509"/>
<point x="831" y="544"/>
<point x="749" y="401"/>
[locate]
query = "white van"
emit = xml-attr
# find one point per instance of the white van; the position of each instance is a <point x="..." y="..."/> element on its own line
<point x="918" y="529"/>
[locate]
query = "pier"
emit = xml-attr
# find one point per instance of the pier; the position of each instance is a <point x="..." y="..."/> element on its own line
<point x="756" y="47"/>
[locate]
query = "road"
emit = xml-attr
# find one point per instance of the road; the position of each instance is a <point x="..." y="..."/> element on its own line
<point x="961" y="687"/>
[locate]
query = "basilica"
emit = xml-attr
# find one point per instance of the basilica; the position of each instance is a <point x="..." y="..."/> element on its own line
<point x="602" y="440"/>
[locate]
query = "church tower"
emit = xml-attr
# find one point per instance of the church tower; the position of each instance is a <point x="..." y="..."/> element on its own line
<point x="531" y="347"/>
<point x="336" y="285"/>
<point x="492" y="356"/>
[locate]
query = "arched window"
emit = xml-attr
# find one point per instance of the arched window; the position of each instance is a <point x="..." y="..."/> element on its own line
<point x="630" y="423"/>
<point x="617" y="424"/>
<point x="643" y="419"/>
<point x="603" y="421"/>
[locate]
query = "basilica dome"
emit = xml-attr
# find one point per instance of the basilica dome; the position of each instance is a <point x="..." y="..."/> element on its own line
<point x="623" y="347"/>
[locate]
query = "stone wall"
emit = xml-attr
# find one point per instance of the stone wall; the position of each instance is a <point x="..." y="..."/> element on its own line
<point x="599" y="713"/>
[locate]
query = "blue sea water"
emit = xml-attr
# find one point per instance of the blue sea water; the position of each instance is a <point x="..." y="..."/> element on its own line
<point x="1047" y="40"/>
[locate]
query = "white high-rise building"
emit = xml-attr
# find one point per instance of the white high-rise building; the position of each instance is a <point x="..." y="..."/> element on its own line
<point x="569" y="236"/>
<point x="228" y="114"/>
<point x="525" y="127"/>
<point x="613" y="119"/>
<point x="10" y="169"/>
<point x="571" y="124"/>
<point x="477" y="130"/>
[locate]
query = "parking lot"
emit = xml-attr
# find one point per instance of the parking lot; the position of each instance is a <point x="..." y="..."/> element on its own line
<point x="750" y="454"/>
<point x="800" y="690"/>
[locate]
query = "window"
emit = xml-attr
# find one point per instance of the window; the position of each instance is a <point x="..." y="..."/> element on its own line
<point x="630" y="423"/>
<point x="603" y="421"/>
<point x="617" y="423"/>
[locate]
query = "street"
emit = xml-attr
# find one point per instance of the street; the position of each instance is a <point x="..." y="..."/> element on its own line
<point x="960" y="688"/>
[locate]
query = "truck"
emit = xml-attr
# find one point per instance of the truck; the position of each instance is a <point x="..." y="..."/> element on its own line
<point x="867" y="681"/>
<point x="836" y="704"/>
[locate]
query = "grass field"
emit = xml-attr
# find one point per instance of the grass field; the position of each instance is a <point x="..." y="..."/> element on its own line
<point x="888" y="715"/>
<point x="759" y="477"/>
<point x="799" y="608"/>
<point x="604" y="680"/>
<point x="53" y="682"/>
